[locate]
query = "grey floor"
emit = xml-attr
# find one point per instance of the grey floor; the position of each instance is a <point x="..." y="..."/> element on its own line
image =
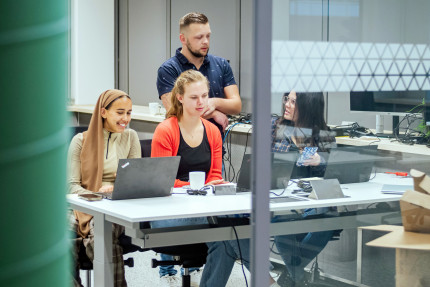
<point x="338" y="259"/>
<point x="142" y="275"/>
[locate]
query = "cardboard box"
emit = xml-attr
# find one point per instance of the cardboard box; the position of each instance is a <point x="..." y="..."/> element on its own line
<point x="412" y="255"/>
<point x="415" y="208"/>
<point x="415" y="204"/>
<point x="412" y="241"/>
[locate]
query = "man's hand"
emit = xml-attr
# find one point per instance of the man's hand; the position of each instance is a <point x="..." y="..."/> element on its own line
<point x="165" y="100"/>
<point x="220" y="119"/>
<point x="211" y="107"/>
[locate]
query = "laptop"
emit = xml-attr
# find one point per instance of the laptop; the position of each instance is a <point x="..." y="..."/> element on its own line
<point x="282" y="165"/>
<point x="326" y="189"/>
<point x="351" y="165"/>
<point x="145" y="177"/>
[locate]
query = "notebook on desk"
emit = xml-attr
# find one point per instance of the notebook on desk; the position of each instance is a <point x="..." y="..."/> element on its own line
<point x="145" y="177"/>
<point x="282" y="165"/>
<point x="396" y="188"/>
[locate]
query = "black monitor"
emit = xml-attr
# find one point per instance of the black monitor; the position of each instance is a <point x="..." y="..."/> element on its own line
<point x="395" y="103"/>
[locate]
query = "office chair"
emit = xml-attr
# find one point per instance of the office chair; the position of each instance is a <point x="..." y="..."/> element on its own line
<point x="315" y="278"/>
<point x="86" y="264"/>
<point x="74" y="130"/>
<point x="145" y="147"/>
<point x="187" y="256"/>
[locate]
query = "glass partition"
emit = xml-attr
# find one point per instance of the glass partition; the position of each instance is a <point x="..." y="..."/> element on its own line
<point x="349" y="103"/>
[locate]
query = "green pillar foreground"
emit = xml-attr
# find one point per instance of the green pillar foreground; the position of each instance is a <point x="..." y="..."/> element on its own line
<point x="33" y="143"/>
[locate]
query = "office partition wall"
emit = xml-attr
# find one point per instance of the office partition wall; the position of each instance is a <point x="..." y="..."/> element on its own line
<point x="337" y="47"/>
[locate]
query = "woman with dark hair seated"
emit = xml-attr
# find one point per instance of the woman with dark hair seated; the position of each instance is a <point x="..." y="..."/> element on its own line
<point x="301" y="125"/>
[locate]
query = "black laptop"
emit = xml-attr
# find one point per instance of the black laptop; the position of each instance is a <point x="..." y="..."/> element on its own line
<point x="282" y="165"/>
<point x="351" y="164"/>
<point x="145" y="177"/>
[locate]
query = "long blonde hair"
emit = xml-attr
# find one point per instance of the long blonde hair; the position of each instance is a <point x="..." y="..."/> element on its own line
<point x="184" y="79"/>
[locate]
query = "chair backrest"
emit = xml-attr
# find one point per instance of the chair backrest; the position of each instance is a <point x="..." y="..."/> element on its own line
<point x="189" y="255"/>
<point x="74" y="130"/>
<point x="145" y="146"/>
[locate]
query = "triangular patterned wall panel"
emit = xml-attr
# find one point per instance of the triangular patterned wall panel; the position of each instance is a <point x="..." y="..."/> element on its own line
<point x="344" y="67"/>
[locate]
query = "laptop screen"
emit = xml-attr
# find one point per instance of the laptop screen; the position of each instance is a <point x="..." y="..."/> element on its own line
<point x="282" y="165"/>
<point x="145" y="177"/>
<point x="351" y="165"/>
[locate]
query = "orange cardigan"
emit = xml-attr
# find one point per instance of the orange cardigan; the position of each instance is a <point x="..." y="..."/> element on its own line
<point x="165" y="142"/>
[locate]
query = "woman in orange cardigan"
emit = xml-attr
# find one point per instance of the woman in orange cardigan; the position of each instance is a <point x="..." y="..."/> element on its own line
<point x="185" y="133"/>
<point x="195" y="139"/>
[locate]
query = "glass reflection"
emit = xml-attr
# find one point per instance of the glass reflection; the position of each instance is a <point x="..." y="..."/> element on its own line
<point x="370" y="62"/>
<point x="301" y="129"/>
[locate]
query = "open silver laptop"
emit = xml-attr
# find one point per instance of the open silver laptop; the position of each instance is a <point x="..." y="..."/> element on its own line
<point x="282" y="165"/>
<point x="145" y="177"/>
<point x="350" y="166"/>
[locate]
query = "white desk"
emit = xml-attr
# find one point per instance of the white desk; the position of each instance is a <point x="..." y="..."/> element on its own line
<point x="385" y="144"/>
<point x="130" y="213"/>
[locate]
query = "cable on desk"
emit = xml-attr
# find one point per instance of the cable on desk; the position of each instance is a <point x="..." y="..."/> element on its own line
<point x="230" y="173"/>
<point x="240" y="254"/>
<point x="375" y="141"/>
<point x="228" y="131"/>
<point x="240" y="251"/>
<point x="279" y="194"/>
<point x="408" y="137"/>
<point x="227" y="141"/>
<point x="244" y="152"/>
<point x="228" y="155"/>
<point x="367" y="207"/>
<point x="374" y="175"/>
<point x="271" y="247"/>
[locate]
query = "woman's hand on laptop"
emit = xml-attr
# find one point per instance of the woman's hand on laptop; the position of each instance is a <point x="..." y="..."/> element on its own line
<point x="217" y="181"/>
<point x="106" y="189"/>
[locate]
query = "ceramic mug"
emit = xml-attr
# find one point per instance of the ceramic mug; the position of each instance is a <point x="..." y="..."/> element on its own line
<point x="197" y="179"/>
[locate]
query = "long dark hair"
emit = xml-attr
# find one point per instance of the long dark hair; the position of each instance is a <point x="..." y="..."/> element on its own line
<point x="309" y="115"/>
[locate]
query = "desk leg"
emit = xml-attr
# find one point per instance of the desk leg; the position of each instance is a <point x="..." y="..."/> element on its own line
<point x="359" y="253"/>
<point x="103" y="266"/>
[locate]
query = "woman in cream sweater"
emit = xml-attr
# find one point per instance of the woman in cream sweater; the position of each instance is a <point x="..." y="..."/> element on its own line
<point x="92" y="163"/>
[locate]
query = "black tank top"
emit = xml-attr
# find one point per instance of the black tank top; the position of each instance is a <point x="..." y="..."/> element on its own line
<point x="194" y="159"/>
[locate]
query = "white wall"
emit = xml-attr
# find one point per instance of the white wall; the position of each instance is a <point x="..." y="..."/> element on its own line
<point x="246" y="55"/>
<point x="153" y="37"/>
<point x="92" y="49"/>
<point x="147" y="47"/>
<point x="224" y="19"/>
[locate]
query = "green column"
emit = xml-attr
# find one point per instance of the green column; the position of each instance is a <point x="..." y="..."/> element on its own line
<point x="33" y="143"/>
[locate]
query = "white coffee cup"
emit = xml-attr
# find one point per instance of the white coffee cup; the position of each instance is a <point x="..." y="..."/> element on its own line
<point x="154" y="108"/>
<point x="197" y="179"/>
